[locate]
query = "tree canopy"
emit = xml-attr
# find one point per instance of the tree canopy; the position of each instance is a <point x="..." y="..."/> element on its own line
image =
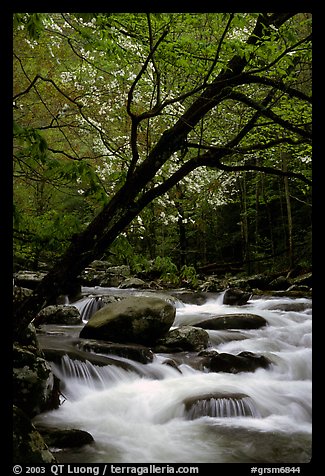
<point x="140" y="119"/>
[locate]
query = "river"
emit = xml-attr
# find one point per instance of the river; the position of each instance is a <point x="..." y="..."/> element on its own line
<point x="139" y="416"/>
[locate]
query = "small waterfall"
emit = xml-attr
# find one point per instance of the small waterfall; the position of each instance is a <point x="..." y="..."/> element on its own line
<point x="223" y="406"/>
<point x="88" y="375"/>
<point x="88" y="306"/>
<point x="63" y="299"/>
<point x="155" y="413"/>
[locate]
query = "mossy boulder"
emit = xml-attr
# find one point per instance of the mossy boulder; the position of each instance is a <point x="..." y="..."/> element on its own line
<point x="58" y="314"/>
<point x="29" y="447"/>
<point x="137" y="319"/>
<point x="185" y="338"/>
<point x="35" y="387"/>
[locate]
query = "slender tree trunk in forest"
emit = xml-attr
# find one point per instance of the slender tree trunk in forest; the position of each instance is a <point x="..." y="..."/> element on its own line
<point x="151" y="239"/>
<point x="282" y="214"/>
<point x="289" y="214"/>
<point x="268" y="213"/>
<point x="182" y="241"/>
<point x="257" y="214"/>
<point x="244" y="222"/>
<point x="181" y="226"/>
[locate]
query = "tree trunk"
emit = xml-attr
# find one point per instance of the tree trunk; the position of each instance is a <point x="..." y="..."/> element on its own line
<point x="244" y="222"/>
<point x="268" y="214"/>
<point x="182" y="240"/>
<point x="257" y="217"/>
<point x="289" y="214"/>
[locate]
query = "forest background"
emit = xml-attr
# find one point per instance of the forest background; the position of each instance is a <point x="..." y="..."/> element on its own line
<point x="174" y="141"/>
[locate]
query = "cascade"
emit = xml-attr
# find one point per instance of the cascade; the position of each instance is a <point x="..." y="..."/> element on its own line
<point x="147" y="413"/>
<point x="88" y="306"/>
<point x="224" y="406"/>
<point x="87" y="374"/>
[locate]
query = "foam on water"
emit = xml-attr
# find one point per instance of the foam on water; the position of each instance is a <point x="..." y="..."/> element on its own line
<point x="140" y="415"/>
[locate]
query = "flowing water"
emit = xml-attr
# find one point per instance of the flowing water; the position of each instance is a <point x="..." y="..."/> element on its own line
<point x="141" y="414"/>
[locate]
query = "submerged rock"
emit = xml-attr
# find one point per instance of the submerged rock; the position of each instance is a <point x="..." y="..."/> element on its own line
<point x="220" y="405"/>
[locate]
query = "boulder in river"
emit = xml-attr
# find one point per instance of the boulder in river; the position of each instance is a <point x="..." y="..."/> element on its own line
<point x="184" y="338"/>
<point x="58" y="314"/>
<point x="139" y="353"/>
<point x="233" y="321"/>
<point x="243" y="362"/>
<point x="65" y="438"/>
<point x="136" y="319"/>
<point x="209" y="360"/>
<point x="236" y="297"/>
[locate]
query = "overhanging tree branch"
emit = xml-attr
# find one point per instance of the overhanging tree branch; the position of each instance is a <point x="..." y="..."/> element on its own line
<point x="215" y="163"/>
<point x="249" y="148"/>
<point x="282" y="55"/>
<point x="235" y="95"/>
<point x="212" y="160"/>
<point x="216" y="58"/>
<point x="248" y="78"/>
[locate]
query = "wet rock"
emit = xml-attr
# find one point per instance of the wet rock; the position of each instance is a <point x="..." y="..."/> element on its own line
<point x="35" y="387"/>
<point x="65" y="438"/>
<point x="135" y="283"/>
<point x="59" y="314"/>
<point x="213" y="284"/>
<point x="57" y="355"/>
<point x="30" y="341"/>
<point x="172" y="363"/>
<point x="290" y="305"/>
<point x="236" y="297"/>
<point x="19" y="295"/>
<point x="100" y="273"/>
<point x="233" y="321"/>
<point x="209" y="360"/>
<point x="183" y="338"/>
<point x="29" y="448"/>
<point x="259" y="281"/>
<point x="280" y="283"/>
<point x="192" y="297"/>
<point x="296" y="289"/>
<point x="220" y="405"/>
<point x="243" y="362"/>
<point x="100" y="265"/>
<point x="141" y="320"/>
<point x="28" y="279"/>
<point x="135" y="352"/>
